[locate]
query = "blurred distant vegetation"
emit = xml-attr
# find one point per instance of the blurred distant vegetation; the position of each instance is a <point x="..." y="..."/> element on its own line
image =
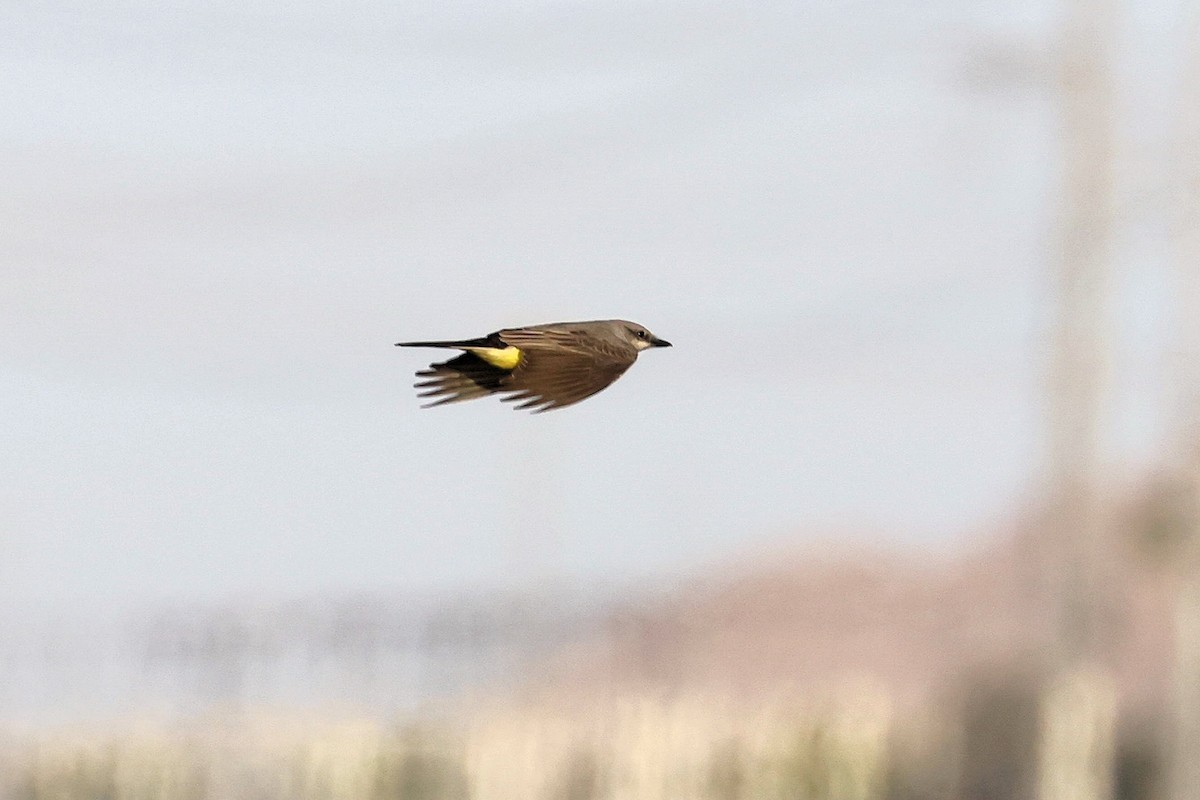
<point x="885" y="678"/>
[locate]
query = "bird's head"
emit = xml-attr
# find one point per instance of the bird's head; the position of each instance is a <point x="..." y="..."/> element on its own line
<point x="639" y="336"/>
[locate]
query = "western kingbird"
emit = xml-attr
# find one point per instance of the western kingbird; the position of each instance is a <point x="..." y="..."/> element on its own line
<point x="541" y="366"/>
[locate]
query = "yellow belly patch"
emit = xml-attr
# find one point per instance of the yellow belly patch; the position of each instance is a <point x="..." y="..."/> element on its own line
<point x="501" y="357"/>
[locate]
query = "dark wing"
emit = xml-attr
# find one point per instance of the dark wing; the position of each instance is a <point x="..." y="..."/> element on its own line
<point x="549" y="336"/>
<point x="558" y="369"/>
<point x="464" y="377"/>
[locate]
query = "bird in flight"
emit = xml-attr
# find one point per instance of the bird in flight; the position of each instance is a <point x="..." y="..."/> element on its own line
<point x="539" y="367"/>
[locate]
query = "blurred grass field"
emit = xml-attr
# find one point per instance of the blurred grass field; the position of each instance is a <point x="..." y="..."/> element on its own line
<point x="632" y="747"/>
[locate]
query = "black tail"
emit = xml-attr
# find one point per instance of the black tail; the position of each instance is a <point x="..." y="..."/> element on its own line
<point x="487" y="341"/>
<point x="434" y="344"/>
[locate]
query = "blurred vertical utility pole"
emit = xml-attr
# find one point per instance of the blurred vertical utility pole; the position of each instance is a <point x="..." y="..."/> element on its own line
<point x="1185" y="746"/>
<point x="1077" y="724"/>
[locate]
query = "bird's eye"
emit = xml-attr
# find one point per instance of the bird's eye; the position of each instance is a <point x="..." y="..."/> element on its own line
<point x="641" y="334"/>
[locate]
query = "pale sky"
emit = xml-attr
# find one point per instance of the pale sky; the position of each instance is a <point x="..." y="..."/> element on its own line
<point x="218" y="217"/>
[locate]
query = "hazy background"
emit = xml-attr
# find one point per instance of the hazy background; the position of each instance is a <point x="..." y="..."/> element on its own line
<point x="216" y="219"/>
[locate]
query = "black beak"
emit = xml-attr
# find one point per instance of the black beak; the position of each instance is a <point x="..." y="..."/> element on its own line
<point x="661" y="343"/>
